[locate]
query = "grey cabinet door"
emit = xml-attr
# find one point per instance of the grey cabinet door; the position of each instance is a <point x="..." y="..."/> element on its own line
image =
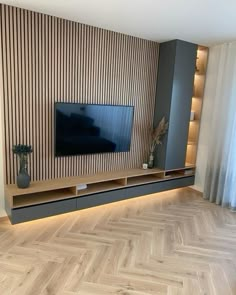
<point x="174" y="93"/>
<point x="100" y="198"/>
<point x="49" y="209"/>
<point x="42" y="210"/>
<point x="132" y="192"/>
<point x="156" y="187"/>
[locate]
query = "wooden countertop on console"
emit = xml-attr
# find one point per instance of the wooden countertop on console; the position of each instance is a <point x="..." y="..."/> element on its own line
<point x="47" y="185"/>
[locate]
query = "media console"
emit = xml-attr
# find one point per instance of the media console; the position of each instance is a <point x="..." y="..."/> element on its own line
<point x="57" y="196"/>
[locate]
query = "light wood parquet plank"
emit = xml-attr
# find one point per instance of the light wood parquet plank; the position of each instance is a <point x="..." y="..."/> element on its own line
<point x="172" y="243"/>
<point x="205" y="283"/>
<point x="73" y="283"/>
<point x="192" y="287"/>
<point x="7" y="284"/>
<point x="220" y="282"/>
<point x="134" y="284"/>
<point x="146" y="273"/>
<point x="47" y="271"/>
<point x="62" y="274"/>
<point x="229" y="268"/>
<point x="24" y="284"/>
<point x="174" y="291"/>
<point x="100" y="289"/>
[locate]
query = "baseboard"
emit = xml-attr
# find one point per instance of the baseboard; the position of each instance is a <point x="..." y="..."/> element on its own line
<point x="2" y="212"/>
<point x="3" y="218"/>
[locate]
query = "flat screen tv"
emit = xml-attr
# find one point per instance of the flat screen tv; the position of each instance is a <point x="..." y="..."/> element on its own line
<point x="90" y="128"/>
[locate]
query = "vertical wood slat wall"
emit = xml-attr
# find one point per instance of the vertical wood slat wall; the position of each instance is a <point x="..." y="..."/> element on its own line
<point x="47" y="59"/>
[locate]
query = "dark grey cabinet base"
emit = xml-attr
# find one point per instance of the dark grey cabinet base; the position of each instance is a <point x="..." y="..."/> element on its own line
<point x="42" y="210"/>
<point x="58" y="207"/>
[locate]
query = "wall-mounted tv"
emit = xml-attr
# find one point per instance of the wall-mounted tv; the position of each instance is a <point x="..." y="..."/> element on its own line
<point x="92" y="128"/>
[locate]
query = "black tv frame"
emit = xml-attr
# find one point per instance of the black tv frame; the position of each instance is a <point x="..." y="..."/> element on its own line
<point x="86" y="104"/>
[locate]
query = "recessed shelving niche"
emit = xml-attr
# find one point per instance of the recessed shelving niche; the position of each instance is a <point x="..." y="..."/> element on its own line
<point x="198" y="91"/>
<point x="30" y="199"/>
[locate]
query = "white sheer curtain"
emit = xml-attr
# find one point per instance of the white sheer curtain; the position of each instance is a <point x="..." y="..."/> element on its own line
<point x="220" y="182"/>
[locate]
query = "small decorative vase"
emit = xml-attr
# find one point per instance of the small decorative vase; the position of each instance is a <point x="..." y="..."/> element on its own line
<point x="151" y="161"/>
<point x="23" y="178"/>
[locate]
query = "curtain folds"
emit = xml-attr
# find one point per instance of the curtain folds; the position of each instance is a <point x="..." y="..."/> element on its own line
<point x="220" y="182"/>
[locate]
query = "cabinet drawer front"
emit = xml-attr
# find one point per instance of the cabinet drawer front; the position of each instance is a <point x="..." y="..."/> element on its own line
<point x="142" y="190"/>
<point x="42" y="210"/>
<point x="100" y="198"/>
<point x="131" y="192"/>
<point x="158" y="187"/>
<point x="58" y="207"/>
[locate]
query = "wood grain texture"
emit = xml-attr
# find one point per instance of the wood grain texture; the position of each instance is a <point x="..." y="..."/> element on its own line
<point x="41" y="192"/>
<point x="40" y="186"/>
<point x="168" y="243"/>
<point x="47" y="59"/>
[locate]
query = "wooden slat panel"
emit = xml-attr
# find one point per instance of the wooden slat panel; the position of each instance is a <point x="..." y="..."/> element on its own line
<point x="46" y="59"/>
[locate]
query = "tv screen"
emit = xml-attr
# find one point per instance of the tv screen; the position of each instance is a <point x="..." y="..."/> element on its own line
<point x="89" y="128"/>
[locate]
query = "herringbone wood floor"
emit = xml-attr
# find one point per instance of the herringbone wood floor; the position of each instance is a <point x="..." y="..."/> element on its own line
<point x="169" y="243"/>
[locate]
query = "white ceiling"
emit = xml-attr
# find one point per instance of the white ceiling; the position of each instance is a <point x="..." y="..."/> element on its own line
<point x="205" y="22"/>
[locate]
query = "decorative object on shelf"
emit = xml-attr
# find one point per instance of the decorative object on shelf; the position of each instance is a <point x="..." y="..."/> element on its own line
<point x="145" y="166"/>
<point x="157" y="137"/>
<point x="196" y="66"/>
<point x="81" y="186"/>
<point x="23" y="178"/>
<point x="151" y="160"/>
<point x="192" y="116"/>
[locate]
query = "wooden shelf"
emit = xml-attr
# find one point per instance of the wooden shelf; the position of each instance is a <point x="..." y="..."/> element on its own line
<point x="188" y="170"/>
<point x="42" y="197"/>
<point x="189" y="165"/>
<point x="178" y="175"/>
<point x="43" y="192"/>
<point x="99" y="187"/>
<point x="47" y="198"/>
<point x="39" y="186"/>
<point x="143" y="179"/>
<point x="192" y="143"/>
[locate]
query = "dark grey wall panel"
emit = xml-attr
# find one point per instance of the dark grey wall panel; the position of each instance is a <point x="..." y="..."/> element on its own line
<point x="43" y="210"/>
<point x="165" y="77"/>
<point x="173" y="100"/>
